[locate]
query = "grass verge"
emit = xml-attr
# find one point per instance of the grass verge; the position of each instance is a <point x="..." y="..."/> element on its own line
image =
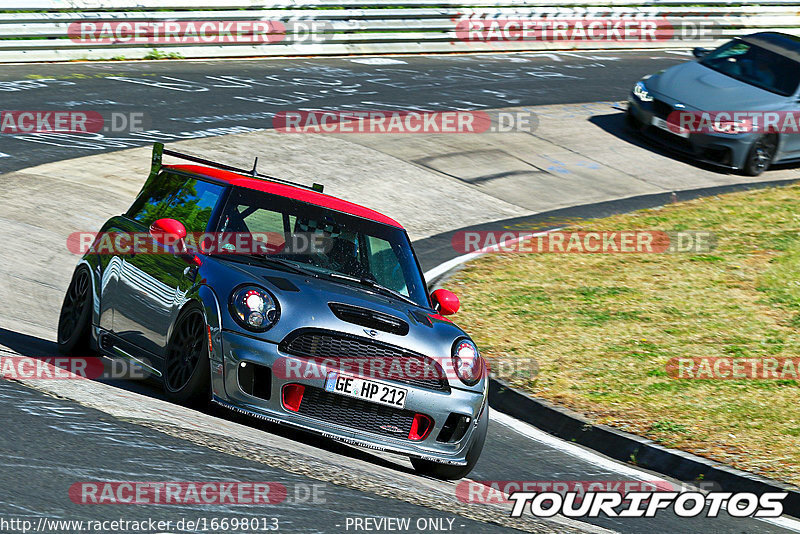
<point x="603" y="327"/>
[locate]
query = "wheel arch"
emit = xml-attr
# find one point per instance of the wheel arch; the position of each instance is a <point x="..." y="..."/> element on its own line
<point x="208" y="302"/>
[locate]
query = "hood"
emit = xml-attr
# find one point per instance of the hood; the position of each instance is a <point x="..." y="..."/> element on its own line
<point x="305" y="303"/>
<point x="703" y="89"/>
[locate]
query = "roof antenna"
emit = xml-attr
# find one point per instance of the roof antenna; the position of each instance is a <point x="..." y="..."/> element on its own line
<point x="255" y="165"/>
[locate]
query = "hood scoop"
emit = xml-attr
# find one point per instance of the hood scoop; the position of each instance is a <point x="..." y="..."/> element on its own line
<point x="369" y="318"/>
<point x="282" y="283"/>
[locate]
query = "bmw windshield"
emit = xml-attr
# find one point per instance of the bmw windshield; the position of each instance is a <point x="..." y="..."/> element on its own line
<point x="756" y="66"/>
<point x="324" y="242"/>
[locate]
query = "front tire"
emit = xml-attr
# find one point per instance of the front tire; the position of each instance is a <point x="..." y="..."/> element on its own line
<point x="74" y="319"/>
<point x="455" y="472"/>
<point x="761" y="155"/>
<point x="631" y="122"/>
<point x="187" y="375"/>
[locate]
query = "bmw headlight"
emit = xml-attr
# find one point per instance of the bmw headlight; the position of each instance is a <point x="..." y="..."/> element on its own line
<point x="254" y="308"/>
<point x="732" y="126"/>
<point x="640" y="90"/>
<point x="467" y="362"/>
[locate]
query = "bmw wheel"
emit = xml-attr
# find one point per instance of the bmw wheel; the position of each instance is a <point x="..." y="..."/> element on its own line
<point x="761" y="154"/>
<point x="631" y="122"/>
<point x="186" y="366"/>
<point x="73" y="321"/>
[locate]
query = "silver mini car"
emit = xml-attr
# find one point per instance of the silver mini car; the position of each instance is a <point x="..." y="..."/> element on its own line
<point x="286" y="304"/>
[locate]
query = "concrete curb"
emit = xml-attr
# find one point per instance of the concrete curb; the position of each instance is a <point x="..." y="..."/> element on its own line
<point x="622" y="446"/>
<point x="619" y="445"/>
<point x="438" y="249"/>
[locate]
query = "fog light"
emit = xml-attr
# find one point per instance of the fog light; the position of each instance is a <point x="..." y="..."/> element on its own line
<point x="420" y="427"/>
<point x="292" y="396"/>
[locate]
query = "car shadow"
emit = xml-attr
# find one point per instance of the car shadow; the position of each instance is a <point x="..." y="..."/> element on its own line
<point x="38" y="348"/>
<point x="614" y="123"/>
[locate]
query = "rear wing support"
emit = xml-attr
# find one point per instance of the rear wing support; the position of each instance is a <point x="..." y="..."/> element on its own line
<point x="159" y="151"/>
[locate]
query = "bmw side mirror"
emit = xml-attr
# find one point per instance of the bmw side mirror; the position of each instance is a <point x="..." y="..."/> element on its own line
<point x="445" y="302"/>
<point x="700" y="52"/>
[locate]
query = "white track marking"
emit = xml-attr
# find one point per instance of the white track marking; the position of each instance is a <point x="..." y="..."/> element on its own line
<point x="554" y="57"/>
<point x="591" y="57"/>
<point x="447" y="266"/>
<point x="531" y="432"/>
<point x="599" y="460"/>
<point x="378" y="61"/>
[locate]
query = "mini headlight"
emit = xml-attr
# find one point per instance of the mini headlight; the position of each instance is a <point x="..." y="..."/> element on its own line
<point x="254" y="308"/>
<point x="467" y="362"/>
<point x="640" y="90"/>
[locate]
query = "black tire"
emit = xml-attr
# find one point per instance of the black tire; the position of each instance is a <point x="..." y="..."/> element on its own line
<point x="631" y="122"/>
<point x="761" y="155"/>
<point x="75" y="316"/>
<point x="187" y="374"/>
<point x="455" y="472"/>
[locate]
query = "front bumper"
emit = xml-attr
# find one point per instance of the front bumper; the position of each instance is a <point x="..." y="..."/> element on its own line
<point x="724" y="150"/>
<point x="438" y="405"/>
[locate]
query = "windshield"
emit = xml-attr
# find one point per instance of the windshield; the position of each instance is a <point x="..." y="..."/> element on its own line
<point x="346" y="245"/>
<point x="756" y="66"/>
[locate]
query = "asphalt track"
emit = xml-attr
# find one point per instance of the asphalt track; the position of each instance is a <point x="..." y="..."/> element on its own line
<point x="51" y="443"/>
<point x="186" y="100"/>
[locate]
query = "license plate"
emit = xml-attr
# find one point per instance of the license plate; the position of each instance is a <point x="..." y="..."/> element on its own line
<point x="368" y="390"/>
<point x="658" y="122"/>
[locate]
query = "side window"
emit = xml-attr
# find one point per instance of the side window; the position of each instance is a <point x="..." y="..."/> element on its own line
<point x="385" y="266"/>
<point x="738" y="49"/>
<point x="274" y="227"/>
<point x="149" y="205"/>
<point x="193" y="204"/>
<point x="262" y="220"/>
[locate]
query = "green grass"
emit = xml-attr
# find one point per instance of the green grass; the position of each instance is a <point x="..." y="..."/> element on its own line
<point x="601" y="328"/>
<point x="157" y="54"/>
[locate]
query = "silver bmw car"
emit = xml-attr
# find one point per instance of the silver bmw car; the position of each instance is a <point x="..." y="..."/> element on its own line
<point x="740" y="102"/>
<point x="286" y="304"/>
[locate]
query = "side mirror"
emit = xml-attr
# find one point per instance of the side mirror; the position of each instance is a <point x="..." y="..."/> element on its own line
<point x="168" y="232"/>
<point x="171" y="233"/>
<point x="446" y="302"/>
<point x="700" y="52"/>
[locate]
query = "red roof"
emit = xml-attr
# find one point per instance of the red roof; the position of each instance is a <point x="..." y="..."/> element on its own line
<point x="288" y="191"/>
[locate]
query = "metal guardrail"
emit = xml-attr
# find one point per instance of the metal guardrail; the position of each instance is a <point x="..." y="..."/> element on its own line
<point x="51" y="30"/>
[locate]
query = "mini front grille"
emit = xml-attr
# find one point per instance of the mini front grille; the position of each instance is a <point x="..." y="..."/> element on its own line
<point x="355" y="413"/>
<point x="371" y="358"/>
